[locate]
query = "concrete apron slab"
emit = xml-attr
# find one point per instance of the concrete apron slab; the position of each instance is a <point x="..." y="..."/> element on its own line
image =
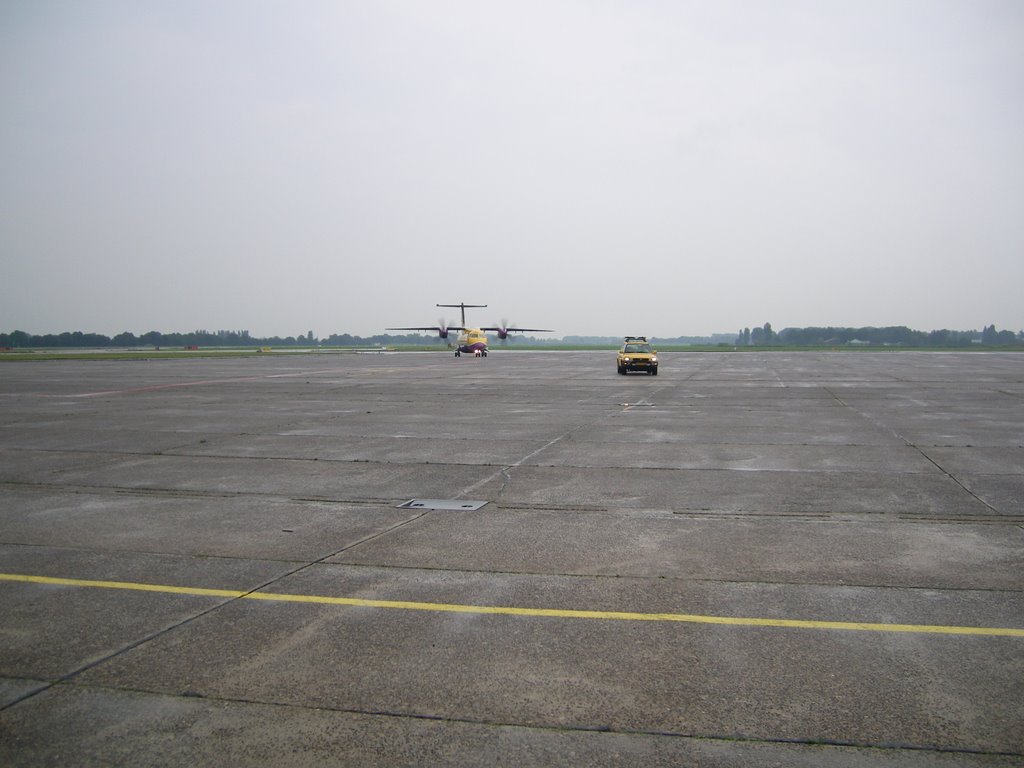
<point x="817" y="487"/>
<point x="576" y="672"/>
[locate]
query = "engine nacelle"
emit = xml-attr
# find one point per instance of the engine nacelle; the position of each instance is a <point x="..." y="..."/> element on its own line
<point x="502" y="333"/>
<point x="442" y="333"/>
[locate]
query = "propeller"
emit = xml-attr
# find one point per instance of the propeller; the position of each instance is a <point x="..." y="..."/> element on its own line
<point x="442" y="330"/>
<point x="502" y="330"/>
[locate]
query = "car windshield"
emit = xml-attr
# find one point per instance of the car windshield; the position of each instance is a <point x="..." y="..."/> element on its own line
<point x="635" y="348"/>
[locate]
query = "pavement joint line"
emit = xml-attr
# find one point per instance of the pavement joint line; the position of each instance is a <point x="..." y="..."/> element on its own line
<point x="504" y="472"/>
<point x="196" y="383"/>
<point x="910" y="444"/>
<point x="997" y="518"/>
<point x="603" y="729"/>
<point x="519" y="611"/>
<point x="230" y="594"/>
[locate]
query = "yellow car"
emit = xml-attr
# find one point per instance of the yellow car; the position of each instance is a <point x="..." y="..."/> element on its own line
<point x="636" y="355"/>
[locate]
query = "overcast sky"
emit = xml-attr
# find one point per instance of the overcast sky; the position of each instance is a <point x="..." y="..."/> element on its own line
<point x="599" y="168"/>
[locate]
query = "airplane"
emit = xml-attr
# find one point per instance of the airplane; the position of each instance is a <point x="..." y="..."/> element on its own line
<point x="470" y="340"/>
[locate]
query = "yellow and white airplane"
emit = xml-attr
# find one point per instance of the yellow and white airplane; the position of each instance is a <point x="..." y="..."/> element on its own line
<point x="470" y="340"/>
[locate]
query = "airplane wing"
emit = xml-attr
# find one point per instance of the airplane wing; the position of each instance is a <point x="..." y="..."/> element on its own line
<point x="518" y="330"/>
<point x="442" y="331"/>
<point x="438" y="328"/>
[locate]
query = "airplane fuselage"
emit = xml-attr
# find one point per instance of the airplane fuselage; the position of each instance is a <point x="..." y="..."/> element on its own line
<point x="471" y="341"/>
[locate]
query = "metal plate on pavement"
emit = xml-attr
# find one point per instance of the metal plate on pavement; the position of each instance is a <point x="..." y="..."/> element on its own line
<point x="464" y="505"/>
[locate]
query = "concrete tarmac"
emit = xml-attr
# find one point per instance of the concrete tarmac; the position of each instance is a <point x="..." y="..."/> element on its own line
<point x="792" y="559"/>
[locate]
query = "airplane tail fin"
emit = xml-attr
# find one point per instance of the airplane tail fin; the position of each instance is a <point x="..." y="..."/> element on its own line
<point x="462" y="306"/>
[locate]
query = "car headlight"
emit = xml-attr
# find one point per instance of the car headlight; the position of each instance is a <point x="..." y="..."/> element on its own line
<point x="654" y="359"/>
<point x="626" y="360"/>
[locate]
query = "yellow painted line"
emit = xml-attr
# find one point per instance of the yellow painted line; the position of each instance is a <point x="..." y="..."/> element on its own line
<point x="528" y="612"/>
<point x="130" y="585"/>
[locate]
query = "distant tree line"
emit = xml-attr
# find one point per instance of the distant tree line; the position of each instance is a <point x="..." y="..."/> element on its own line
<point x="762" y="336"/>
<point x="202" y="338"/>
<point x="384" y="340"/>
<point x="899" y="336"/>
<point x="150" y="339"/>
<point x="715" y="338"/>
